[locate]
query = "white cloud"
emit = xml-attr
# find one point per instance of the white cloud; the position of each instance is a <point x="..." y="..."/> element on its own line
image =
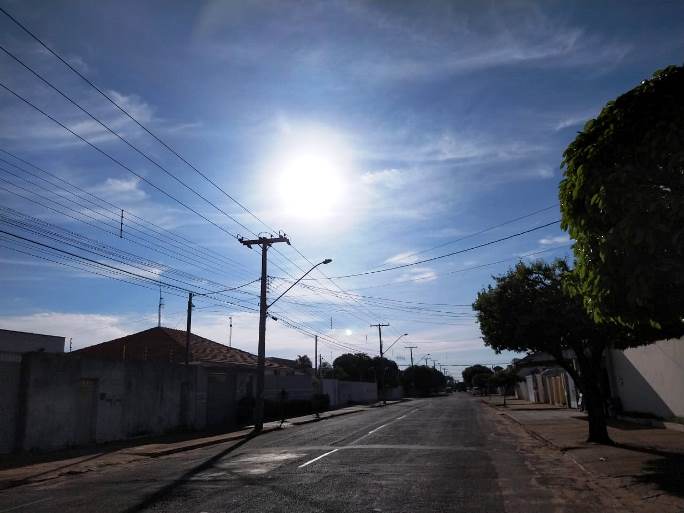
<point x="419" y="274"/>
<point x="552" y="241"/>
<point x="390" y="178"/>
<point x="408" y="257"/>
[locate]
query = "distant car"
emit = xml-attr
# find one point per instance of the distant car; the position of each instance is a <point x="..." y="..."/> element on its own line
<point x="476" y="391"/>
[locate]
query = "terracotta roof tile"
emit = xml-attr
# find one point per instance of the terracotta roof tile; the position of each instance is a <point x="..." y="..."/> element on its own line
<point x="167" y="344"/>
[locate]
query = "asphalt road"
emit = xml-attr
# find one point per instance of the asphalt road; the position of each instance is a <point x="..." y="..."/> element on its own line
<point x="429" y="455"/>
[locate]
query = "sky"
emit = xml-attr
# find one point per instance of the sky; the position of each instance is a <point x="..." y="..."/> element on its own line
<point x="377" y="134"/>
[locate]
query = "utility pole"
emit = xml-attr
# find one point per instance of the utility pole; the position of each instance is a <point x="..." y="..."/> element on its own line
<point x="230" y="333"/>
<point x="316" y="355"/>
<point x="382" y="362"/>
<point x="187" y="330"/>
<point x="413" y="372"/>
<point x="121" y="226"/>
<point x="69" y="344"/>
<point x="411" y="348"/>
<point x="159" y="309"/>
<point x="264" y="243"/>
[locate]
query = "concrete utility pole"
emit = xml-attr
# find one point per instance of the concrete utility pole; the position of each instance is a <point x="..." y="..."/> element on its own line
<point x="264" y="243"/>
<point x="230" y="332"/>
<point x="159" y="309"/>
<point x="381" y="379"/>
<point x="411" y="348"/>
<point x="316" y="355"/>
<point x="187" y="329"/>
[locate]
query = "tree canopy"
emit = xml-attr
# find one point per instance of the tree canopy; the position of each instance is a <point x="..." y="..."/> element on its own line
<point x="529" y="309"/>
<point x="423" y="380"/>
<point x="470" y="372"/>
<point x="303" y="362"/>
<point x="622" y="200"/>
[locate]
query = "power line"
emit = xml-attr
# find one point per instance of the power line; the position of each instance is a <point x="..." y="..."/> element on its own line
<point x="124" y="111"/>
<point x="140" y="221"/>
<point x="465" y="269"/>
<point x="484" y="230"/>
<point x="402" y="266"/>
<point x="113" y="159"/>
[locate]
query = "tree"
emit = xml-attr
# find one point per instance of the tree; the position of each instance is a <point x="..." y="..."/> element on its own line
<point x="354" y="367"/>
<point x="622" y="200"/>
<point x="471" y="371"/>
<point x="529" y="309"/>
<point x="390" y="369"/>
<point x="326" y="370"/>
<point x="303" y="362"/>
<point x="505" y="379"/>
<point x="422" y="380"/>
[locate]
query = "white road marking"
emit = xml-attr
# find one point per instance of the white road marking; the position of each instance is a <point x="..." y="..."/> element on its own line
<point x="377" y="429"/>
<point x="27" y="504"/>
<point x="399" y="418"/>
<point x="317" y="458"/>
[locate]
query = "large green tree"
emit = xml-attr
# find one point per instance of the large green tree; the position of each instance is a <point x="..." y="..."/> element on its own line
<point x="529" y="309"/>
<point x="470" y="372"/>
<point x="622" y="200"/>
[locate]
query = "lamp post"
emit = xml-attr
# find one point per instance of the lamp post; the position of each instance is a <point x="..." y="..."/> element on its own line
<point x="261" y="358"/>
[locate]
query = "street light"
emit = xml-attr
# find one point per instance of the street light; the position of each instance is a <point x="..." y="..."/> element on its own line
<point x="397" y="340"/>
<point x="324" y="262"/>
<point x="261" y="357"/>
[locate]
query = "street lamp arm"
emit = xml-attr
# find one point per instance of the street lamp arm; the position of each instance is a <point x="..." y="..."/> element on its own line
<point x="326" y="261"/>
<point x="397" y="340"/>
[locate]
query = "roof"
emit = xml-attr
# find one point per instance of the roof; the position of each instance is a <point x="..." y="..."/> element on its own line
<point x="167" y="344"/>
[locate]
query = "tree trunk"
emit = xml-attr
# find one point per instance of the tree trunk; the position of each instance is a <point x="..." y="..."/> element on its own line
<point x="588" y="381"/>
<point x="598" y="427"/>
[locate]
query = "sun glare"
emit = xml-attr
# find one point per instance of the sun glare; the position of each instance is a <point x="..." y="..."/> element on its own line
<point x="310" y="184"/>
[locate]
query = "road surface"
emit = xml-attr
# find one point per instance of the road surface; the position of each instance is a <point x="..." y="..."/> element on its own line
<point x="429" y="455"/>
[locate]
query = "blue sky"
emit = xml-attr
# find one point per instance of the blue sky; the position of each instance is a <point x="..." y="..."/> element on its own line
<point x="367" y="131"/>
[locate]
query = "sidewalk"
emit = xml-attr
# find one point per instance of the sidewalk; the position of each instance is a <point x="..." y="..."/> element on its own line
<point x="32" y="468"/>
<point x="644" y="469"/>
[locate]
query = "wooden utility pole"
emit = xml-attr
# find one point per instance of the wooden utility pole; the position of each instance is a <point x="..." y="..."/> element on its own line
<point x="381" y="379"/>
<point x="264" y="243"/>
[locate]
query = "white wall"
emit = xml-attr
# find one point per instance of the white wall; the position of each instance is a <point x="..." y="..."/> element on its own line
<point x="650" y="379"/>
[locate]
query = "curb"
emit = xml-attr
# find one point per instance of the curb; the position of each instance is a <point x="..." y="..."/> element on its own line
<point x="235" y="436"/>
<point x="528" y="430"/>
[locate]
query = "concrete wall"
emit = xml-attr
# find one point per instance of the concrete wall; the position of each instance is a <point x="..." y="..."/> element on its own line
<point x="68" y="400"/>
<point x="22" y="342"/>
<point x="394" y="394"/>
<point x="650" y="379"/>
<point x="297" y="386"/>
<point x="9" y="403"/>
<point x="330" y="388"/>
<point x="350" y="392"/>
<point x="343" y="393"/>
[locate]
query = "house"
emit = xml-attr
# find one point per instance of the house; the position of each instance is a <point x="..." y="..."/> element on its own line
<point x="544" y="381"/>
<point x="132" y="386"/>
<point x="160" y="344"/>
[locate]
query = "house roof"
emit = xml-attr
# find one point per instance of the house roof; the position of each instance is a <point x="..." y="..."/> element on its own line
<point x="167" y="344"/>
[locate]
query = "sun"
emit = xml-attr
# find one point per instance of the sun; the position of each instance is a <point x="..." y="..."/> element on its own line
<point x="311" y="184"/>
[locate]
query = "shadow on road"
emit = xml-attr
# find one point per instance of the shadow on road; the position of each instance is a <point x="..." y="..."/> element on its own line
<point x="164" y="492"/>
